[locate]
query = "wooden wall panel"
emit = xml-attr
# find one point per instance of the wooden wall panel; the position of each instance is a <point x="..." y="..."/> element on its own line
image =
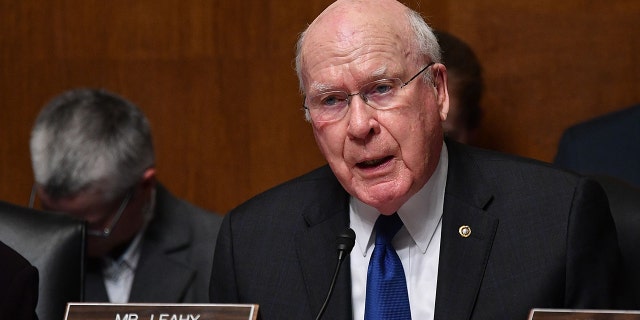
<point x="216" y="78"/>
<point x="549" y="64"/>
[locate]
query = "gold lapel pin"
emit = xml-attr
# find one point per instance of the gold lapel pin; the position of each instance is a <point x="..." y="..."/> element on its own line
<point x="464" y="231"/>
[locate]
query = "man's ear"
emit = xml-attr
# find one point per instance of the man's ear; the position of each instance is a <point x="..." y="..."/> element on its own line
<point x="441" y="89"/>
<point x="149" y="178"/>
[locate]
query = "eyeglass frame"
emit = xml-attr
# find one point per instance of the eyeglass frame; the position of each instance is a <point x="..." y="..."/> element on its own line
<point x="106" y="232"/>
<point x="359" y="93"/>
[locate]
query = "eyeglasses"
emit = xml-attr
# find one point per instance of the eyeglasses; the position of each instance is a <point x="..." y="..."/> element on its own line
<point x="380" y="95"/>
<point x="106" y="232"/>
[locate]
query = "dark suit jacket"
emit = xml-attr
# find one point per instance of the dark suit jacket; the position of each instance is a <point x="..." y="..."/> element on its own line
<point x="176" y="255"/>
<point x="540" y="238"/>
<point x="607" y="145"/>
<point x="18" y="286"/>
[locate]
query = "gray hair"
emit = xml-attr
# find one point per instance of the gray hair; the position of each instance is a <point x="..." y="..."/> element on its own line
<point x="89" y="139"/>
<point x="424" y="40"/>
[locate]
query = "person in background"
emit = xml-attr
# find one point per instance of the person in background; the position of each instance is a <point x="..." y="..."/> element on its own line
<point x="607" y="145"/>
<point x="465" y="86"/>
<point x="442" y="230"/>
<point x="18" y="286"/>
<point x="93" y="158"/>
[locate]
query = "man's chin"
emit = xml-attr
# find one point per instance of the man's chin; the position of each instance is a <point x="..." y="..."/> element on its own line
<point x="97" y="248"/>
<point x="386" y="198"/>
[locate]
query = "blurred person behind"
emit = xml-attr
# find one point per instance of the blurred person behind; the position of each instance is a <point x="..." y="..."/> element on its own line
<point x="465" y="85"/>
<point x="93" y="158"/>
<point x="606" y="145"/>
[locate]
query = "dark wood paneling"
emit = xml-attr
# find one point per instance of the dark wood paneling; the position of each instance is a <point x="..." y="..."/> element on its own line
<point x="216" y="78"/>
<point x="548" y="65"/>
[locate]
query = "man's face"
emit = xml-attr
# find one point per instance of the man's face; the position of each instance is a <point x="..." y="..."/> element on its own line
<point x="382" y="157"/>
<point x="100" y="214"/>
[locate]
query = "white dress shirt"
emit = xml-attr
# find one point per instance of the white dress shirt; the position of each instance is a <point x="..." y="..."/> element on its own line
<point x="417" y="244"/>
<point x="118" y="274"/>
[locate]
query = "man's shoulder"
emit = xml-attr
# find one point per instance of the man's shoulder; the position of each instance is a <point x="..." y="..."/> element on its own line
<point x="515" y="185"/>
<point x="492" y="158"/>
<point x="317" y="190"/>
<point x="606" y="128"/>
<point x="173" y="210"/>
<point x="310" y="184"/>
<point x="505" y="171"/>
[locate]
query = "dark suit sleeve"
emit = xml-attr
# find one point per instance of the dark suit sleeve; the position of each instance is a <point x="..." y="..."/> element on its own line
<point x="23" y="295"/>
<point x="567" y="155"/>
<point x="223" y="280"/>
<point x="593" y="255"/>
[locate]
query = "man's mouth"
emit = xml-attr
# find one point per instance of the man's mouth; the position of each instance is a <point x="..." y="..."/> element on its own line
<point x="373" y="163"/>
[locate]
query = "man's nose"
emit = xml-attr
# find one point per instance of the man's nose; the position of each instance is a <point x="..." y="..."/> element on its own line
<point x="362" y="118"/>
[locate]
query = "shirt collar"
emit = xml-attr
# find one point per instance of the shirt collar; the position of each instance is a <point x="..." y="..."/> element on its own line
<point x="129" y="259"/>
<point x="421" y="214"/>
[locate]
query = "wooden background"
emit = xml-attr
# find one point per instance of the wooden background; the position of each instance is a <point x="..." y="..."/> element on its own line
<point x="216" y="78"/>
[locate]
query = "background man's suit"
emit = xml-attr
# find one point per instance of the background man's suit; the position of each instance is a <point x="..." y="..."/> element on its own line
<point x="18" y="286"/>
<point x="176" y="255"/>
<point x="529" y="247"/>
<point x="608" y="145"/>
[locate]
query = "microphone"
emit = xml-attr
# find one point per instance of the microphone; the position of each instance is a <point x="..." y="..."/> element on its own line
<point x="344" y="243"/>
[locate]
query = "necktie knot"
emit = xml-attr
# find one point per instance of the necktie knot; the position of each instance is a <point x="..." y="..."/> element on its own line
<point x="386" y="228"/>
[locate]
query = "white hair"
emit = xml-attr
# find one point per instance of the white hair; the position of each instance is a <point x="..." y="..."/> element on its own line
<point x="88" y="139"/>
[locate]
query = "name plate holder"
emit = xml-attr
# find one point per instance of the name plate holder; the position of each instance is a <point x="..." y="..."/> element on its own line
<point x="160" y="311"/>
<point x="578" y="314"/>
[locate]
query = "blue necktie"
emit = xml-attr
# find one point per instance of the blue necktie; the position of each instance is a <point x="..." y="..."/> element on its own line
<point x="387" y="297"/>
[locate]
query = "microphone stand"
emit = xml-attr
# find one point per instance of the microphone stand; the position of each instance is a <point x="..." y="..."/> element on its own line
<point x="345" y="242"/>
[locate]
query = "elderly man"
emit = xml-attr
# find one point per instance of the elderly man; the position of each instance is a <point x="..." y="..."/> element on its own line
<point x="481" y="235"/>
<point x="93" y="158"/>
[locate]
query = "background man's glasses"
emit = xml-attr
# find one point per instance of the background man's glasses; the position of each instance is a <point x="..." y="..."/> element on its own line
<point x="379" y="94"/>
<point x="106" y="232"/>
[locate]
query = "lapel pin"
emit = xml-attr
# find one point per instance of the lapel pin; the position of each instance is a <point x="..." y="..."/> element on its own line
<point x="464" y="231"/>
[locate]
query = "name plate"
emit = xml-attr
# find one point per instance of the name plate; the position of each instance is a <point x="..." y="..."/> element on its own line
<point x="160" y="311"/>
<point x="574" y="314"/>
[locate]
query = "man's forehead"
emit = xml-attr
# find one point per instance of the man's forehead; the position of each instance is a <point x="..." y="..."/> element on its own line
<point x="80" y="201"/>
<point x="351" y="34"/>
<point x="349" y="20"/>
<point x="366" y="7"/>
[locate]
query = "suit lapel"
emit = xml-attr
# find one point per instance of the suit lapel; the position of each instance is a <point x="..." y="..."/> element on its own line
<point x="463" y="260"/>
<point x="317" y="254"/>
<point x="162" y="274"/>
<point x="160" y="277"/>
<point x="94" y="289"/>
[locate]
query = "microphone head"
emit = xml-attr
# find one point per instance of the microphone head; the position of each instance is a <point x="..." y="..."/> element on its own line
<point x="346" y="240"/>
